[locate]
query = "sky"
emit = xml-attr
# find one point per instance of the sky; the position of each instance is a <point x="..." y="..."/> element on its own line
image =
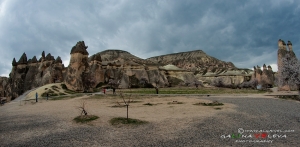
<point x="242" y="32"/>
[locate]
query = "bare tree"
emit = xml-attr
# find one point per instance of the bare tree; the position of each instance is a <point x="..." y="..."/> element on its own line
<point x="249" y="84"/>
<point x="82" y="107"/>
<point x="187" y="83"/>
<point x="88" y="81"/>
<point x="218" y="82"/>
<point x="156" y="85"/>
<point x="126" y="103"/>
<point x="197" y="83"/>
<point x="143" y="82"/>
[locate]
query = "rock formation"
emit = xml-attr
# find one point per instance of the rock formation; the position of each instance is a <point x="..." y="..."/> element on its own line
<point x="264" y="77"/>
<point x="124" y="69"/>
<point x="78" y="68"/>
<point x="195" y="61"/>
<point x="282" y="52"/>
<point x="28" y="74"/>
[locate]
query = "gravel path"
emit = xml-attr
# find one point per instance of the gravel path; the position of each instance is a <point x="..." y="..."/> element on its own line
<point x="20" y="129"/>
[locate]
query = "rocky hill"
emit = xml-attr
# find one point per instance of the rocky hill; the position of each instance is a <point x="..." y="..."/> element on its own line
<point x="120" y="55"/>
<point x="193" y="61"/>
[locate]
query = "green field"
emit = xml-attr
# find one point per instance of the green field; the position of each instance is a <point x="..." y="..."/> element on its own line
<point x="187" y="90"/>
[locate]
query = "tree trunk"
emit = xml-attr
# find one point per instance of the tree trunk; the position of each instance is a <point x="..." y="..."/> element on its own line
<point x="127" y="113"/>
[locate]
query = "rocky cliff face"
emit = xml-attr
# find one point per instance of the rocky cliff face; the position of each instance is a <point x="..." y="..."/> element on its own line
<point x="28" y="74"/>
<point x="121" y="65"/>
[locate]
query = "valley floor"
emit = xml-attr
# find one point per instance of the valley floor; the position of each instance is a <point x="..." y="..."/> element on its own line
<point x="50" y="123"/>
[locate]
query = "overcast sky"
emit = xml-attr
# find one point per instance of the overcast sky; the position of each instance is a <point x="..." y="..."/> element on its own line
<point x="243" y="32"/>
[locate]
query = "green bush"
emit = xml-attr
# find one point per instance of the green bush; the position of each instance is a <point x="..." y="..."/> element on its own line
<point x="174" y="81"/>
<point x="54" y="87"/>
<point x="85" y="118"/>
<point x="123" y="120"/>
<point x="63" y="86"/>
<point x="100" y="84"/>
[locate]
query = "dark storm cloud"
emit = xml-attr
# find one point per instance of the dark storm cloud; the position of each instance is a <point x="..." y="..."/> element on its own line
<point x="244" y="32"/>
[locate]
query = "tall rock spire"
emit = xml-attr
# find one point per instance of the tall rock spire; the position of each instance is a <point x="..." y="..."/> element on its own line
<point x="23" y="59"/>
<point x="290" y="46"/>
<point x="14" y="62"/>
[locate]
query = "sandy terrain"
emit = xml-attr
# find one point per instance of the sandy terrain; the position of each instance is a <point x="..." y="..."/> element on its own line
<point x="102" y="107"/>
<point x="50" y="123"/>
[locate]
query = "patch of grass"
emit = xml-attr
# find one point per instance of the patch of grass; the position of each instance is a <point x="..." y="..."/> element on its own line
<point x="63" y="86"/>
<point x="192" y="90"/>
<point x="62" y="93"/>
<point x="85" y="118"/>
<point x="49" y="91"/>
<point x="133" y="101"/>
<point x="97" y="96"/>
<point x="46" y="88"/>
<point x="293" y="97"/>
<point x="175" y="102"/>
<point x="118" y="106"/>
<point x="76" y="95"/>
<point x="100" y="84"/>
<point x="214" y="103"/>
<point x="149" y="104"/>
<point x="56" y="90"/>
<point x="54" y="87"/>
<point x="53" y="94"/>
<point x="123" y="120"/>
<point x="218" y="108"/>
<point x="70" y="92"/>
<point x="59" y="97"/>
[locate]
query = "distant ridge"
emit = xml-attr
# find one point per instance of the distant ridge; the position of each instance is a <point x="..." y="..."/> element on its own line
<point x="192" y="60"/>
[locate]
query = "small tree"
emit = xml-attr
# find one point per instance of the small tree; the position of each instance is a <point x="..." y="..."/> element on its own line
<point x="218" y="82"/>
<point x="126" y="103"/>
<point x="156" y="85"/>
<point x="114" y="84"/>
<point x="197" y="83"/>
<point x="143" y="82"/>
<point x="82" y="107"/>
<point x="187" y="83"/>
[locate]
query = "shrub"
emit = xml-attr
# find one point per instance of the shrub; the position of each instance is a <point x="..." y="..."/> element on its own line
<point x="214" y="103"/>
<point x="100" y="84"/>
<point x="85" y="118"/>
<point x="123" y="120"/>
<point x="63" y="86"/>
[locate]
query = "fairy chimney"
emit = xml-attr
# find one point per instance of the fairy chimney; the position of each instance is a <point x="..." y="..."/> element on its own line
<point x="280" y="44"/>
<point x="77" y="68"/>
<point x="284" y="45"/>
<point x="289" y="44"/>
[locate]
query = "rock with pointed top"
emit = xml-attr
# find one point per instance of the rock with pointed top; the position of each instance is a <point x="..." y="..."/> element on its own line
<point x="49" y="57"/>
<point x="14" y="62"/>
<point x="23" y="59"/>
<point x="80" y="48"/>
<point x="58" y="60"/>
<point x="78" y="68"/>
<point x="43" y="54"/>
<point x="264" y="67"/>
<point x="34" y="60"/>
<point x="29" y="61"/>
<point x="269" y="67"/>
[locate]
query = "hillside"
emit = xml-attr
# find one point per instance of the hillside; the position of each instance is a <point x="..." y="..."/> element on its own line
<point x="192" y="60"/>
<point x="113" y="55"/>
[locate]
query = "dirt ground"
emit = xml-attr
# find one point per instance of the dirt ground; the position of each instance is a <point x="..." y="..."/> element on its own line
<point x="107" y="107"/>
